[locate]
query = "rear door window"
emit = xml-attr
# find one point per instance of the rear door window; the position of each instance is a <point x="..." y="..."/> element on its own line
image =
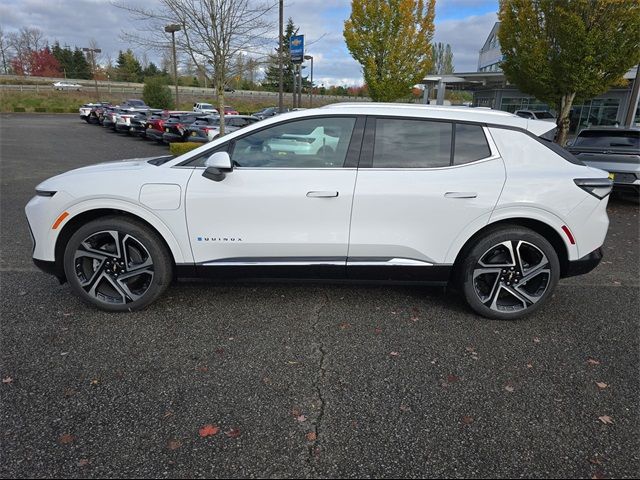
<point x="401" y="143"/>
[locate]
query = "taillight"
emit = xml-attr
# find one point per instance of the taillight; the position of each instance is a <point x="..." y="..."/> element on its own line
<point x="598" y="187"/>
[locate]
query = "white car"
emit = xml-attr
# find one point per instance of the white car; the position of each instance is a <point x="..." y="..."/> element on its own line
<point x="67" y="86"/>
<point x="441" y="195"/>
<point x="205" y="108"/>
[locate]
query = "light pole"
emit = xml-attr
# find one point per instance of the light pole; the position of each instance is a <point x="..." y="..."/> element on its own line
<point x="93" y="52"/>
<point x="172" y="29"/>
<point x="310" y="57"/>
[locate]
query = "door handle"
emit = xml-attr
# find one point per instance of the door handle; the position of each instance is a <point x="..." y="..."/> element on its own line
<point x="322" y="194"/>
<point x="460" y="195"/>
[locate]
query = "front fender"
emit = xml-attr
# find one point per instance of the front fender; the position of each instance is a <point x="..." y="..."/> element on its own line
<point x="180" y="255"/>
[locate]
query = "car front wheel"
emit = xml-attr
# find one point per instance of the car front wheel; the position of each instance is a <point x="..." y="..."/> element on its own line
<point x="117" y="264"/>
<point x="509" y="273"/>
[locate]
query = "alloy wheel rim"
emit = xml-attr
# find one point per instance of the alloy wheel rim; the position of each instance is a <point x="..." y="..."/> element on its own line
<point x="113" y="267"/>
<point x="511" y="276"/>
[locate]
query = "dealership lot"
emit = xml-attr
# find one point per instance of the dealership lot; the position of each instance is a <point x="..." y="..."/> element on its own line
<point x="304" y="379"/>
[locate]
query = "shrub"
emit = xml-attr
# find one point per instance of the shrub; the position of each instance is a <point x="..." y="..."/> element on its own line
<point x="19" y="109"/>
<point x="58" y="110"/>
<point x="156" y="93"/>
<point x="180" y="148"/>
<point x="40" y="109"/>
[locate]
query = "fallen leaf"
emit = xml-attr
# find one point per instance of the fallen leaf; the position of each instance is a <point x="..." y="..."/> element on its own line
<point x="452" y="378"/>
<point x="377" y="331"/>
<point x="394" y="354"/>
<point x="598" y="474"/>
<point x="595" y="460"/>
<point x="168" y="414"/>
<point x="601" y="385"/>
<point x="7" y="380"/>
<point x="536" y="339"/>
<point x="344" y="326"/>
<point x="467" y="420"/>
<point x="83" y="462"/>
<point x="174" y="444"/>
<point x="509" y="388"/>
<point x="301" y="418"/>
<point x="470" y="349"/>
<point x="209" y="430"/>
<point x="219" y="351"/>
<point x="203" y="369"/>
<point x="233" y="433"/>
<point x="95" y="381"/>
<point x="69" y="392"/>
<point x="529" y="365"/>
<point x="66" y="438"/>
<point x="606" y="419"/>
<point x="311" y="437"/>
<point x="593" y="361"/>
<point x="405" y="408"/>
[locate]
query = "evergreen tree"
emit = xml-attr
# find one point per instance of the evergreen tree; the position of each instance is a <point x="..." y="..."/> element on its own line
<point x="80" y="67"/>
<point x="151" y="70"/>
<point x="128" y="67"/>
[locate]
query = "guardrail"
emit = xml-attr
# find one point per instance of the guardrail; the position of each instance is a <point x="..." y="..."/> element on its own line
<point x="105" y="86"/>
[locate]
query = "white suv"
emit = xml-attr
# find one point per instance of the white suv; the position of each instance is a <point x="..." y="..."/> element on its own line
<point x="441" y="195"/>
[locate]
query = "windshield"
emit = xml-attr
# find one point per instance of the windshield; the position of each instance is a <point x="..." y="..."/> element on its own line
<point x="206" y="105"/>
<point x="544" y="115"/>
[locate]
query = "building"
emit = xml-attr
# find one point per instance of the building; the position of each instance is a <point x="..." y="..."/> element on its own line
<point x="491" y="89"/>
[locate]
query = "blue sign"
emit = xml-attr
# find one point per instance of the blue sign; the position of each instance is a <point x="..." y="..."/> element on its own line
<point x="296" y="47"/>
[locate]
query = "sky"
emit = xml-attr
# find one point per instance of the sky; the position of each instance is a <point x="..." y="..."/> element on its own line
<point x="465" y="24"/>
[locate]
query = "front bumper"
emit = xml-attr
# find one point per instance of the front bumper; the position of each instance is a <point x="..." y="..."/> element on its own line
<point x="583" y="265"/>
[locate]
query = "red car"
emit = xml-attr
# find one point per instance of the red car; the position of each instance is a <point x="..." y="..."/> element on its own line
<point x="230" y="111"/>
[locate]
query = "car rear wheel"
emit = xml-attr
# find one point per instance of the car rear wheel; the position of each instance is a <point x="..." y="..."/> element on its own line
<point x="509" y="273"/>
<point x="117" y="264"/>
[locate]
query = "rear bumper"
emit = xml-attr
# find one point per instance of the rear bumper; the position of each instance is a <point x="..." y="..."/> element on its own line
<point x="584" y="265"/>
<point x="170" y="137"/>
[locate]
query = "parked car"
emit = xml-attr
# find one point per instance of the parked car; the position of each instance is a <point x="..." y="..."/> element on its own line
<point x="134" y="104"/>
<point x="110" y="117"/>
<point x="206" y="129"/>
<point x="85" y="111"/>
<point x="155" y="124"/>
<point x="615" y="150"/>
<point x="537" y="115"/>
<point x="267" y="112"/>
<point x="138" y="123"/>
<point x="230" y="111"/>
<point x="205" y="108"/>
<point x="175" y="127"/>
<point x="67" y="86"/>
<point x="468" y="197"/>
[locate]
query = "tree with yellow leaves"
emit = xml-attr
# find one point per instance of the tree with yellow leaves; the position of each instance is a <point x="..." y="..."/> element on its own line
<point x="391" y="39"/>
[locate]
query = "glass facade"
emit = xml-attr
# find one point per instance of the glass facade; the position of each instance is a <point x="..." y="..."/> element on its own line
<point x="511" y="104"/>
<point x="600" y="111"/>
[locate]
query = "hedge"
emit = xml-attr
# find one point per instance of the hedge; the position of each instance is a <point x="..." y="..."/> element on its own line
<point x="19" y="109"/>
<point x="180" y="148"/>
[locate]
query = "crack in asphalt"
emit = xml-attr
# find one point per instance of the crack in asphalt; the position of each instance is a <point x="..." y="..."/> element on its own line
<point x="321" y="352"/>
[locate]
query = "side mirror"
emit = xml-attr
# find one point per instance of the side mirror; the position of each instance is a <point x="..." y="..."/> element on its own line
<point x="217" y="165"/>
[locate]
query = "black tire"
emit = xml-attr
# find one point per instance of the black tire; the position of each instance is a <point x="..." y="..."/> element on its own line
<point x="517" y="290"/>
<point x="117" y="264"/>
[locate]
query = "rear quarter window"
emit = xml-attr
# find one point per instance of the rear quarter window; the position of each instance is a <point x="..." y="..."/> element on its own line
<point x="470" y="144"/>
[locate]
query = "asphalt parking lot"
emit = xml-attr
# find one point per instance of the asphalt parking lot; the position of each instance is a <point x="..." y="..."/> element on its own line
<point x="304" y="380"/>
